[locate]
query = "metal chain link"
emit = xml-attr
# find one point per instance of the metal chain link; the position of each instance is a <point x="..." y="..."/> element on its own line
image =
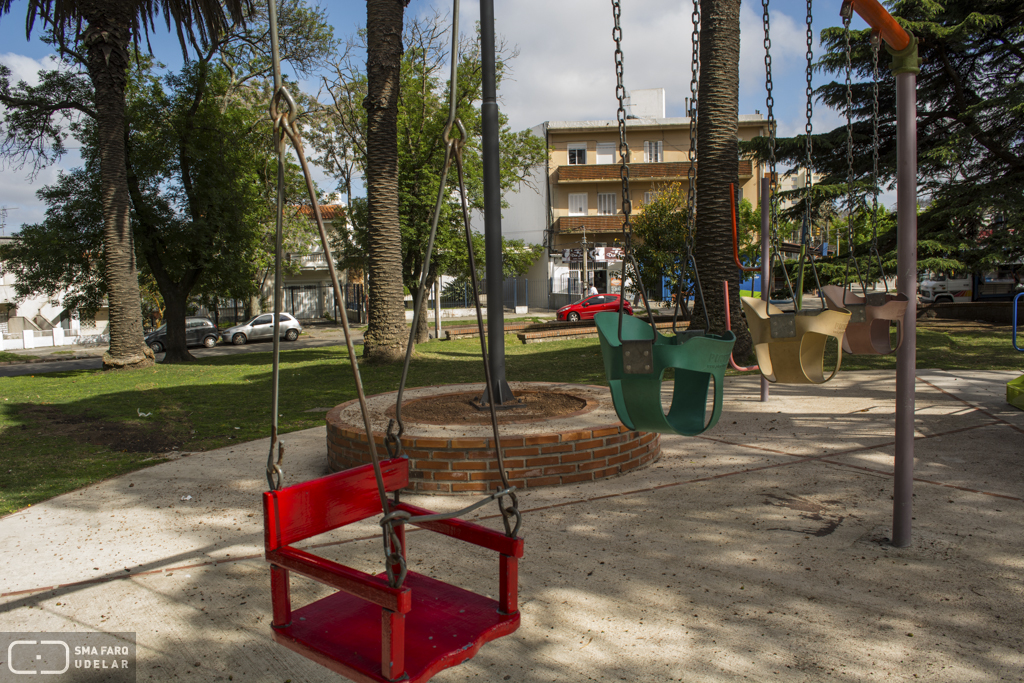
<point x="691" y="173"/>
<point x="876" y="43"/>
<point x="808" y="126"/>
<point x="851" y="257"/>
<point x="627" y="203"/>
<point x="849" y="137"/>
<point x="773" y="198"/>
<point x="809" y="162"/>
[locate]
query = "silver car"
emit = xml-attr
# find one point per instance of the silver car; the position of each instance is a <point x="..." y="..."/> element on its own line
<point x="262" y="327"/>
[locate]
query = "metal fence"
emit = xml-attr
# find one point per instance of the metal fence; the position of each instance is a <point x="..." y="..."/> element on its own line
<point x="459" y="294"/>
<point x="305" y="302"/>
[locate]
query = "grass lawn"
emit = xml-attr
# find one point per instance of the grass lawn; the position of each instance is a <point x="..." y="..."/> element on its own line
<point x="61" y="431"/>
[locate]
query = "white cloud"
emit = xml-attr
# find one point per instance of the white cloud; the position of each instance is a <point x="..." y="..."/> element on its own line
<point x="26" y="68"/>
<point x="17" y="191"/>
<point x="566" y="70"/>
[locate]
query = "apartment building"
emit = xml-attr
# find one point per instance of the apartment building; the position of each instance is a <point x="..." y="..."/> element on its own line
<point x="574" y="205"/>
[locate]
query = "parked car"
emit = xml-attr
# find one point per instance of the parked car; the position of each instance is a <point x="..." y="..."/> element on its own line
<point x="585" y="309"/>
<point x="198" y="332"/>
<point x="262" y="327"/>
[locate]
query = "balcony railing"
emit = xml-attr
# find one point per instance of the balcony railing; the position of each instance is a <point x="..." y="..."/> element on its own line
<point x="314" y="260"/>
<point x="574" y="224"/>
<point x="608" y="173"/>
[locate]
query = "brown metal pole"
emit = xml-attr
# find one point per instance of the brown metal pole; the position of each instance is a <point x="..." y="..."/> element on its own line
<point x="906" y="254"/>
<point x="766" y="260"/>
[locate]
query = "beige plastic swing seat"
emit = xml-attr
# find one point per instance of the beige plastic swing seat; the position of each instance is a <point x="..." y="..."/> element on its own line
<point x="868" y="331"/>
<point x="790" y="347"/>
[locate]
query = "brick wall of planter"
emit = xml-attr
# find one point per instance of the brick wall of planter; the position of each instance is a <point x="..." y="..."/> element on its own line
<point x="466" y="466"/>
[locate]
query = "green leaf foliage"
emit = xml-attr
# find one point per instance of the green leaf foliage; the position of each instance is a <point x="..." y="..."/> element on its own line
<point x="970" y="127"/>
<point x="422" y="118"/>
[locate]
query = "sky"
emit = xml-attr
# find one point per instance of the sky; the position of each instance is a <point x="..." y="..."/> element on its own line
<point x="565" y="69"/>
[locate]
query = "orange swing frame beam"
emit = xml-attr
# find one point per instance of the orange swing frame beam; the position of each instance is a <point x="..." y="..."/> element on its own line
<point x="735" y="236"/>
<point x="878" y="18"/>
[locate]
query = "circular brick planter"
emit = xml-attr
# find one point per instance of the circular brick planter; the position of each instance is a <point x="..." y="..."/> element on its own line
<point x="460" y="459"/>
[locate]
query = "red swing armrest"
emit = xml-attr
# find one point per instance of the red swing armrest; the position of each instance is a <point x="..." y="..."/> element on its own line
<point x="467" y="531"/>
<point x="352" y="581"/>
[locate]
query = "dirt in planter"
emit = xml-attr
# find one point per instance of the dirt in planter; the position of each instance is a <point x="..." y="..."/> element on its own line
<point x="464" y="408"/>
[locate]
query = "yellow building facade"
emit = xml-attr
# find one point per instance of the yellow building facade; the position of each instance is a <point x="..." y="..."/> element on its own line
<point x="584" y="191"/>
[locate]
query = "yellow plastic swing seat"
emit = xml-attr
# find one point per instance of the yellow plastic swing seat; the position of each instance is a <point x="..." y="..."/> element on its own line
<point x="795" y="352"/>
<point x="868" y="331"/>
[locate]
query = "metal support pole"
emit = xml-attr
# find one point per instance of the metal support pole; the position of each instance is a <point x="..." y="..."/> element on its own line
<point x="766" y="261"/>
<point x="585" y="284"/>
<point x="499" y="388"/>
<point x="906" y="255"/>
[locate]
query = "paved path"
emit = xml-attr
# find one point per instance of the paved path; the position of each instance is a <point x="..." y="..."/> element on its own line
<point x="757" y="552"/>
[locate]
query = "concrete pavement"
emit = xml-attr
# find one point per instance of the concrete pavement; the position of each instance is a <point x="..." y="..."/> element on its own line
<point x="757" y="552"/>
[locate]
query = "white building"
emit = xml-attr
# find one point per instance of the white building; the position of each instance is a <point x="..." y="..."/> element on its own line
<point x="41" y="321"/>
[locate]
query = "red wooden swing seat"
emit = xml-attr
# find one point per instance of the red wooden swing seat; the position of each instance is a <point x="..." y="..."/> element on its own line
<point x="369" y="631"/>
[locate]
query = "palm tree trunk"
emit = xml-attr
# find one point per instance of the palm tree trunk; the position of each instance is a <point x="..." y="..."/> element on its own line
<point x="106" y="41"/>
<point x="718" y="165"/>
<point x="385" y="335"/>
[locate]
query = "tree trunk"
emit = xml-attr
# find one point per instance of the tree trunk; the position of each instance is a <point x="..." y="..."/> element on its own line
<point x="423" y="327"/>
<point x="177" y="309"/>
<point x="385" y="336"/>
<point x="106" y="42"/>
<point x="718" y="165"/>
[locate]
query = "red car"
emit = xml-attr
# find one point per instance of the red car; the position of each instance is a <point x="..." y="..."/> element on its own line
<point x="585" y="309"/>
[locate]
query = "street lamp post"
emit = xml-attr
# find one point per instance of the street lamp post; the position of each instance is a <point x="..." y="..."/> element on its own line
<point x="584" y="285"/>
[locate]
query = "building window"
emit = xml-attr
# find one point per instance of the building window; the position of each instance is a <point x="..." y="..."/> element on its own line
<point x="652" y="151"/>
<point x="606" y="152"/>
<point x="649" y="197"/>
<point x="577" y="153"/>
<point x="577" y="203"/>
<point x="606" y="204"/>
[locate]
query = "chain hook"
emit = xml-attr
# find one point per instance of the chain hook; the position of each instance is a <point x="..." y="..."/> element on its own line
<point x="275" y="474"/>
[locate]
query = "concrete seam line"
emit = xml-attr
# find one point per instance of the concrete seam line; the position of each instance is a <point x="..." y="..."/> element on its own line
<point x="926" y="481"/>
<point x="976" y="407"/>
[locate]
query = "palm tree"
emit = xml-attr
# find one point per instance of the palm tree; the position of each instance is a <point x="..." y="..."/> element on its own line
<point x="385" y="336"/>
<point x="110" y="26"/>
<point x="718" y="163"/>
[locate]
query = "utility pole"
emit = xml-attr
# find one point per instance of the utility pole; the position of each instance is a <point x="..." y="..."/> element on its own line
<point x="585" y="285"/>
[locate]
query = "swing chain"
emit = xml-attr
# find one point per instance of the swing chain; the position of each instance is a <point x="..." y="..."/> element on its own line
<point x="275" y="474"/>
<point x="809" y="163"/>
<point x="691" y="173"/>
<point x="773" y="199"/>
<point x="808" y="126"/>
<point x="620" y="94"/>
<point x="851" y="257"/>
<point x="849" y="139"/>
<point x="394" y="552"/>
<point x="624" y="157"/>
<point x="876" y="41"/>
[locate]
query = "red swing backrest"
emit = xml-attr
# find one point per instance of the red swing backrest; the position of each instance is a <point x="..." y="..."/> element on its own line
<point x="301" y="511"/>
